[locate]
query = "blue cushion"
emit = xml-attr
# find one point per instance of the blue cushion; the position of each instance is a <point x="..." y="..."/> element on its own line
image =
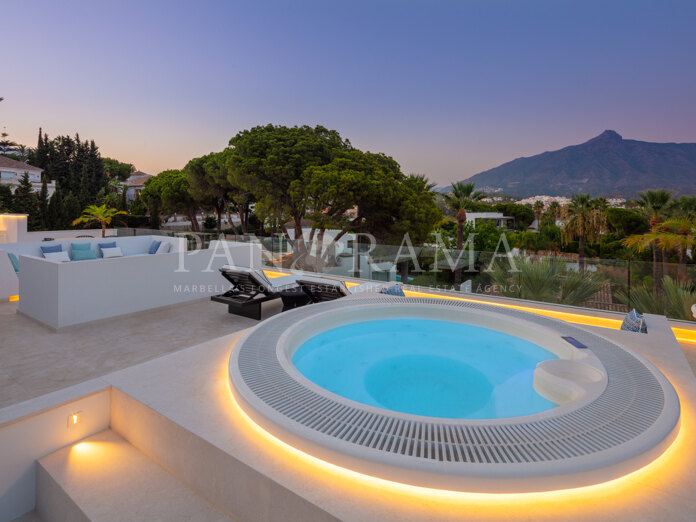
<point x="112" y="244"/>
<point x="634" y="322"/>
<point x="82" y="255"/>
<point x="154" y="246"/>
<point x="79" y="246"/>
<point x="393" y="290"/>
<point x="14" y="261"/>
<point x="52" y="248"/>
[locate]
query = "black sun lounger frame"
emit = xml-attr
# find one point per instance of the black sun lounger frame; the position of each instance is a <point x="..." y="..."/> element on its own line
<point x="319" y="290"/>
<point x="249" y="290"/>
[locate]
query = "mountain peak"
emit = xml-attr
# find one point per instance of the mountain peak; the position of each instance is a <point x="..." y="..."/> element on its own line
<point x="607" y="135"/>
<point x="606" y="165"/>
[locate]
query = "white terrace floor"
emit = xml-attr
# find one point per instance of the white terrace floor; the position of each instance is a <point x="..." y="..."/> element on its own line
<point x="35" y="360"/>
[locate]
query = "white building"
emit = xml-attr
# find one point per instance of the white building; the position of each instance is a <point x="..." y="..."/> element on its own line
<point x="498" y="218"/>
<point x="136" y="184"/>
<point x="11" y="172"/>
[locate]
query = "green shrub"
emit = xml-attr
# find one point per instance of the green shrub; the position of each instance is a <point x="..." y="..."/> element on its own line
<point x="209" y="223"/>
<point x="674" y="301"/>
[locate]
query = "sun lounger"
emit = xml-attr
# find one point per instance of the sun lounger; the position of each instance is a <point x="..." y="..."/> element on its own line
<point x="250" y="288"/>
<point x="320" y="289"/>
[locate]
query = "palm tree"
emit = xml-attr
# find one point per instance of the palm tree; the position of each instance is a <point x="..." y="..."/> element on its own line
<point x="686" y="207"/>
<point x="22" y="151"/>
<point x="555" y="210"/>
<point x="601" y="204"/>
<point x="655" y="205"/>
<point x="642" y="241"/>
<point x="538" y="208"/>
<point x="101" y="215"/>
<point x="462" y="196"/>
<point x="679" y="234"/>
<point x="673" y="234"/>
<point x="582" y="221"/>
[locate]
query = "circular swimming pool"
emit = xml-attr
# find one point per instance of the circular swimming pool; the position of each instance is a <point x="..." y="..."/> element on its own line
<point x="427" y="367"/>
<point x="453" y="395"/>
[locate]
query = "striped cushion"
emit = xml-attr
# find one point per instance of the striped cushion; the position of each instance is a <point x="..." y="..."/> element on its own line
<point x="393" y="290"/>
<point x="634" y="322"/>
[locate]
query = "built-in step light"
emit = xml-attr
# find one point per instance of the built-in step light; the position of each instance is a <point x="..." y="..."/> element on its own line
<point x="74" y="418"/>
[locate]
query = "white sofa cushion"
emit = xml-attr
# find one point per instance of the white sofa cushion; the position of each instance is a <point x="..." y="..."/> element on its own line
<point x="131" y="246"/>
<point x="57" y="256"/>
<point x="112" y="252"/>
<point x="164" y="248"/>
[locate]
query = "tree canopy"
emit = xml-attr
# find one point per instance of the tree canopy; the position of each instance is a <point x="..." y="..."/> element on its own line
<point x="170" y="192"/>
<point x="267" y="160"/>
<point x="117" y="170"/>
<point x="626" y="222"/>
<point x="298" y="173"/>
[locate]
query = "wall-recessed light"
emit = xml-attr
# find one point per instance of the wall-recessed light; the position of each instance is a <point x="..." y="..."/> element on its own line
<point x="74" y="418"/>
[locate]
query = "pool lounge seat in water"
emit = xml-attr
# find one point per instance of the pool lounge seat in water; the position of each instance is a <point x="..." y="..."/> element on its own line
<point x="320" y="289"/>
<point x="250" y="288"/>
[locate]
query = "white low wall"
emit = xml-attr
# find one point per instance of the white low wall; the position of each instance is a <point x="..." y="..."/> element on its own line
<point x="64" y="294"/>
<point x="13" y="229"/>
<point x="38" y="427"/>
<point x="9" y="282"/>
<point x="39" y="235"/>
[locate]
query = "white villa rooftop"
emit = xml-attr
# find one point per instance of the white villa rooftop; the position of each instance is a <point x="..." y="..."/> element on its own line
<point x="127" y="405"/>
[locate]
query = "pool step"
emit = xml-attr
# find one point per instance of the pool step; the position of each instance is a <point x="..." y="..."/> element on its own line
<point x="104" y="478"/>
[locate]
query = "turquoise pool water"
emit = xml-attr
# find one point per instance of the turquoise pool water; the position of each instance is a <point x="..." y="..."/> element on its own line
<point x="427" y="367"/>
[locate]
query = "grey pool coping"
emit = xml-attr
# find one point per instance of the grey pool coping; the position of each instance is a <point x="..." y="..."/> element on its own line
<point x="622" y="428"/>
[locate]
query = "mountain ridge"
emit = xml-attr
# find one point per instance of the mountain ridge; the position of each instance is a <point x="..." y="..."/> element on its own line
<point x="606" y="165"/>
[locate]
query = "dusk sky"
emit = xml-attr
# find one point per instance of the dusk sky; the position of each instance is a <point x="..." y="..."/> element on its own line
<point x="447" y="88"/>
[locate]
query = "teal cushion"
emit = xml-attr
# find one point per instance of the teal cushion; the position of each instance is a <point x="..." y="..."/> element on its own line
<point x="82" y="255"/>
<point x="14" y="261"/>
<point x="79" y="246"/>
